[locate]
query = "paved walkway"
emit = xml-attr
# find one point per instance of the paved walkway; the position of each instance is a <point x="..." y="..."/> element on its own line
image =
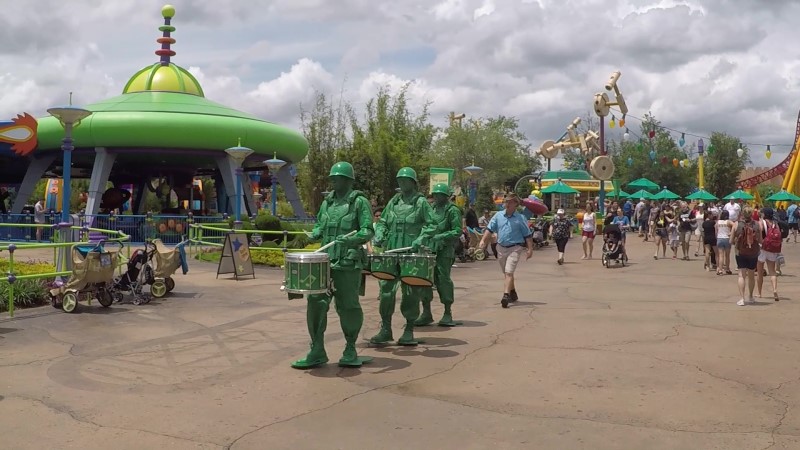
<point x="651" y="356"/>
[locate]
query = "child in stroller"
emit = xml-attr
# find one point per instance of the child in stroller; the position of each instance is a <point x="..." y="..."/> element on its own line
<point x="613" y="246"/>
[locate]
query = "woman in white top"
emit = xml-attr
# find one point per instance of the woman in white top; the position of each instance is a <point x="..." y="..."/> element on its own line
<point x="589" y="227"/>
<point x="723" y="228"/>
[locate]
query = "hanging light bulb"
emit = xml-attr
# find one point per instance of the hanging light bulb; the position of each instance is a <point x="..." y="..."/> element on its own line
<point x="739" y="152"/>
<point x="651" y="134"/>
<point x="682" y="140"/>
<point x="710" y="148"/>
<point x="612" y="124"/>
<point x="675" y="162"/>
<point x="681" y="163"/>
<point x="626" y="135"/>
<point x="768" y="154"/>
<point x="630" y="161"/>
<point x="664" y="160"/>
<point x="622" y="122"/>
<point x="640" y="146"/>
<point x="653" y="155"/>
<point x="686" y="162"/>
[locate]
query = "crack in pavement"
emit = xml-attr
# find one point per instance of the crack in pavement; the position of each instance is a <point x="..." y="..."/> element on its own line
<point x="74" y="416"/>
<point x="494" y="342"/>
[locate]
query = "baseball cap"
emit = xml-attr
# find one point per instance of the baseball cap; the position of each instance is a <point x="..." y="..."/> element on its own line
<point x="560" y="212"/>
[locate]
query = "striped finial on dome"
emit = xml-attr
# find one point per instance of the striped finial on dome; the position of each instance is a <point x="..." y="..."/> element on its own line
<point x="165" y="52"/>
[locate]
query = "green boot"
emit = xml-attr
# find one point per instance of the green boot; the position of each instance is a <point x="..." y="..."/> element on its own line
<point x="383" y="336"/>
<point x="447" y="318"/>
<point x="350" y="357"/>
<point x="426" y="318"/>
<point x="408" y="336"/>
<point x="316" y="357"/>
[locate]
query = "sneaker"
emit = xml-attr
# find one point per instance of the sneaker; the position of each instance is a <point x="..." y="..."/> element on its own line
<point x="513" y="296"/>
<point x="740" y="302"/>
<point x="505" y="300"/>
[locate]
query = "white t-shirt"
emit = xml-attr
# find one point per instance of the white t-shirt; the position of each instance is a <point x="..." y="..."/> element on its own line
<point x="733" y="209"/>
<point x="589" y="222"/>
<point x="38" y="212"/>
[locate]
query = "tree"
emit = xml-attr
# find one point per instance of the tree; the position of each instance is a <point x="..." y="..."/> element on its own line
<point x="497" y="145"/>
<point x="653" y="159"/>
<point x="722" y="163"/>
<point x="324" y="129"/>
<point x="391" y="137"/>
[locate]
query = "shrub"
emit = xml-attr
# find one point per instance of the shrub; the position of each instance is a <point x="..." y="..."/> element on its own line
<point x="26" y="292"/>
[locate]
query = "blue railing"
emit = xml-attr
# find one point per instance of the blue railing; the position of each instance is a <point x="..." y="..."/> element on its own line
<point x="169" y="228"/>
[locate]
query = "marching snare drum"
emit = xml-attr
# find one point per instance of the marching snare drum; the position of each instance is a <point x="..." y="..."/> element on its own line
<point x="384" y="266"/>
<point x="417" y="269"/>
<point x="307" y="273"/>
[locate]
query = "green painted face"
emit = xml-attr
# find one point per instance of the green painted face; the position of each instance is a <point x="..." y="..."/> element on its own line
<point x="407" y="185"/>
<point x="340" y="183"/>
<point x="440" y="199"/>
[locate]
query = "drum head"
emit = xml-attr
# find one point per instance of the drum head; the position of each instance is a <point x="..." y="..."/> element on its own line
<point x="416" y="281"/>
<point x="385" y="276"/>
<point x="307" y="257"/>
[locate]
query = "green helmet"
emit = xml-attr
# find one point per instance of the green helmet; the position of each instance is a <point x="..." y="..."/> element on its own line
<point x="407" y="172"/>
<point x="342" y="169"/>
<point x="441" y="188"/>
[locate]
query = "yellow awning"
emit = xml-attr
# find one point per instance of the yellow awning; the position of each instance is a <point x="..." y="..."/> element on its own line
<point x="581" y="185"/>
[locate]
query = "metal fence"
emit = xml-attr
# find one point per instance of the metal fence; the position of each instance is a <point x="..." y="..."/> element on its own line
<point x="171" y="229"/>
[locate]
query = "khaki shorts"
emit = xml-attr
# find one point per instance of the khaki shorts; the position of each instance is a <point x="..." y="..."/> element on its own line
<point x="508" y="257"/>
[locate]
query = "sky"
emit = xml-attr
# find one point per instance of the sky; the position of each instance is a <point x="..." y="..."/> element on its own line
<point x="697" y="66"/>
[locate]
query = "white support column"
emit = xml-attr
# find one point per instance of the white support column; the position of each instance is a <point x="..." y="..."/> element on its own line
<point x="35" y="172"/>
<point x="290" y="190"/>
<point x="227" y="168"/>
<point x="103" y="162"/>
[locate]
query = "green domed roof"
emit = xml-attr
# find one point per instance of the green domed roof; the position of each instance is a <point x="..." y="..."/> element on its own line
<point x="164" y="78"/>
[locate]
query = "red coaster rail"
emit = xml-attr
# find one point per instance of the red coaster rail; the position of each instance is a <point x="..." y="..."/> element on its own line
<point x="776" y="171"/>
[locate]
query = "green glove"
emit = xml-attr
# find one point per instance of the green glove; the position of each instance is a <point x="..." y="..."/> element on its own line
<point x="346" y="241"/>
<point x="416" y="244"/>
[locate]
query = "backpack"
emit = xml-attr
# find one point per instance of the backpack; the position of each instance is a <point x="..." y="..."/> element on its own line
<point x="746" y="241"/>
<point x="784" y="226"/>
<point x="796" y="213"/>
<point x="772" y="241"/>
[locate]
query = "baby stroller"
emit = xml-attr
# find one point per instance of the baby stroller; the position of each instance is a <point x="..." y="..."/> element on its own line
<point x="138" y="274"/>
<point x="167" y="263"/>
<point x="539" y="229"/>
<point x="92" y="278"/>
<point x="474" y="249"/>
<point x="613" y="248"/>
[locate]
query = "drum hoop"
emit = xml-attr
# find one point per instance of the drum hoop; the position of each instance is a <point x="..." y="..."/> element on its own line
<point x="307" y="257"/>
<point x="418" y="255"/>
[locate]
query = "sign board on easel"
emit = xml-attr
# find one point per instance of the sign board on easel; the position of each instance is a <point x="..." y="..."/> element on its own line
<point x="236" y="257"/>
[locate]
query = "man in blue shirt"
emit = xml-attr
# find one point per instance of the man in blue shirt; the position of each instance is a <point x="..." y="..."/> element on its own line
<point x="513" y="236"/>
<point x="627" y="210"/>
<point x="793" y="212"/>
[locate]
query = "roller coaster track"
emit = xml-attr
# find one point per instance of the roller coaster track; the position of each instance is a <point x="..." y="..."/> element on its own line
<point x="776" y="171"/>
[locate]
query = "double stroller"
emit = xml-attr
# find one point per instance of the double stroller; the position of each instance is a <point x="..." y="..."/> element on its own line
<point x="154" y="265"/>
<point x="613" y="247"/>
<point x="92" y="277"/>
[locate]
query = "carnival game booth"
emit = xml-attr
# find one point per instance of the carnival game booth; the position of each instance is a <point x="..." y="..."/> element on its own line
<point x="588" y="189"/>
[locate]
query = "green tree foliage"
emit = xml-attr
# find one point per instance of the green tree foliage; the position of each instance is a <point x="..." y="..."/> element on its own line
<point x="723" y="165"/>
<point x="497" y="145"/>
<point x="324" y="129"/>
<point x="390" y="137"/>
<point x="633" y="159"/>
<point x="484" y="199"/>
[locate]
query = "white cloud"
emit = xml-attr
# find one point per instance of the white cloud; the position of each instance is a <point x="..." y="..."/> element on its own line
<point x="698" y="66"/>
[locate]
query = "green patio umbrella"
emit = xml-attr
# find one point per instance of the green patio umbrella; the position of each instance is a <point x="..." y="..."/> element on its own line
<point x="738" y="195"/>
<point x="642" y="194"/>
<point x="782" y="196"/>
<point x="619" y="193"/>
<point x="559" y="188"/>
<point x="666" y="194"/>
<point x="643" y="183"/>
<point x="703" y="195"/>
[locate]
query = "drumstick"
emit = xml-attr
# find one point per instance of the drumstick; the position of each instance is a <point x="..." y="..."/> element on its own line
<point x="326" y="246"/>
<point x="398" y="250"/>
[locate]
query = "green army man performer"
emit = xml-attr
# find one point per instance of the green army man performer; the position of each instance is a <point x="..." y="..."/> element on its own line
<point x="447" y="217"/>
<point x="406" y="221"/>
<point x="344" y="210"/>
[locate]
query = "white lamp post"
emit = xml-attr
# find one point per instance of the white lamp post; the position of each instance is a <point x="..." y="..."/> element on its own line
<point x="274" y="166"/>
<point x="473" y="171"/>
<point x="238" y="154"/>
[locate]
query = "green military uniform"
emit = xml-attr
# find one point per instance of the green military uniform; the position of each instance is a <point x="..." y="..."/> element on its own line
<point x="343" y="211"/>
<point x="447" y="216"/>
<point x="407" y="221"/>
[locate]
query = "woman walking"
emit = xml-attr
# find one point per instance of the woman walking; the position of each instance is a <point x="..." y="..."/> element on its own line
<point x="770" y="248"/>
<point x="747" y="236"/>
<point x="560" y="229"/>
<point x="589" y="227"/>
<point x="710" y="241"/>
<point x="723" y="228"/>
<point x="659" y="226"/>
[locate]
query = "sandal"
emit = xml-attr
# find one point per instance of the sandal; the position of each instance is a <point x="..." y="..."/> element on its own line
<point x="775" y="295"/>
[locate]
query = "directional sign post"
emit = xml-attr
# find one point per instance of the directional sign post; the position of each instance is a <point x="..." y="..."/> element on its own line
<point x="236" y="257"/>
